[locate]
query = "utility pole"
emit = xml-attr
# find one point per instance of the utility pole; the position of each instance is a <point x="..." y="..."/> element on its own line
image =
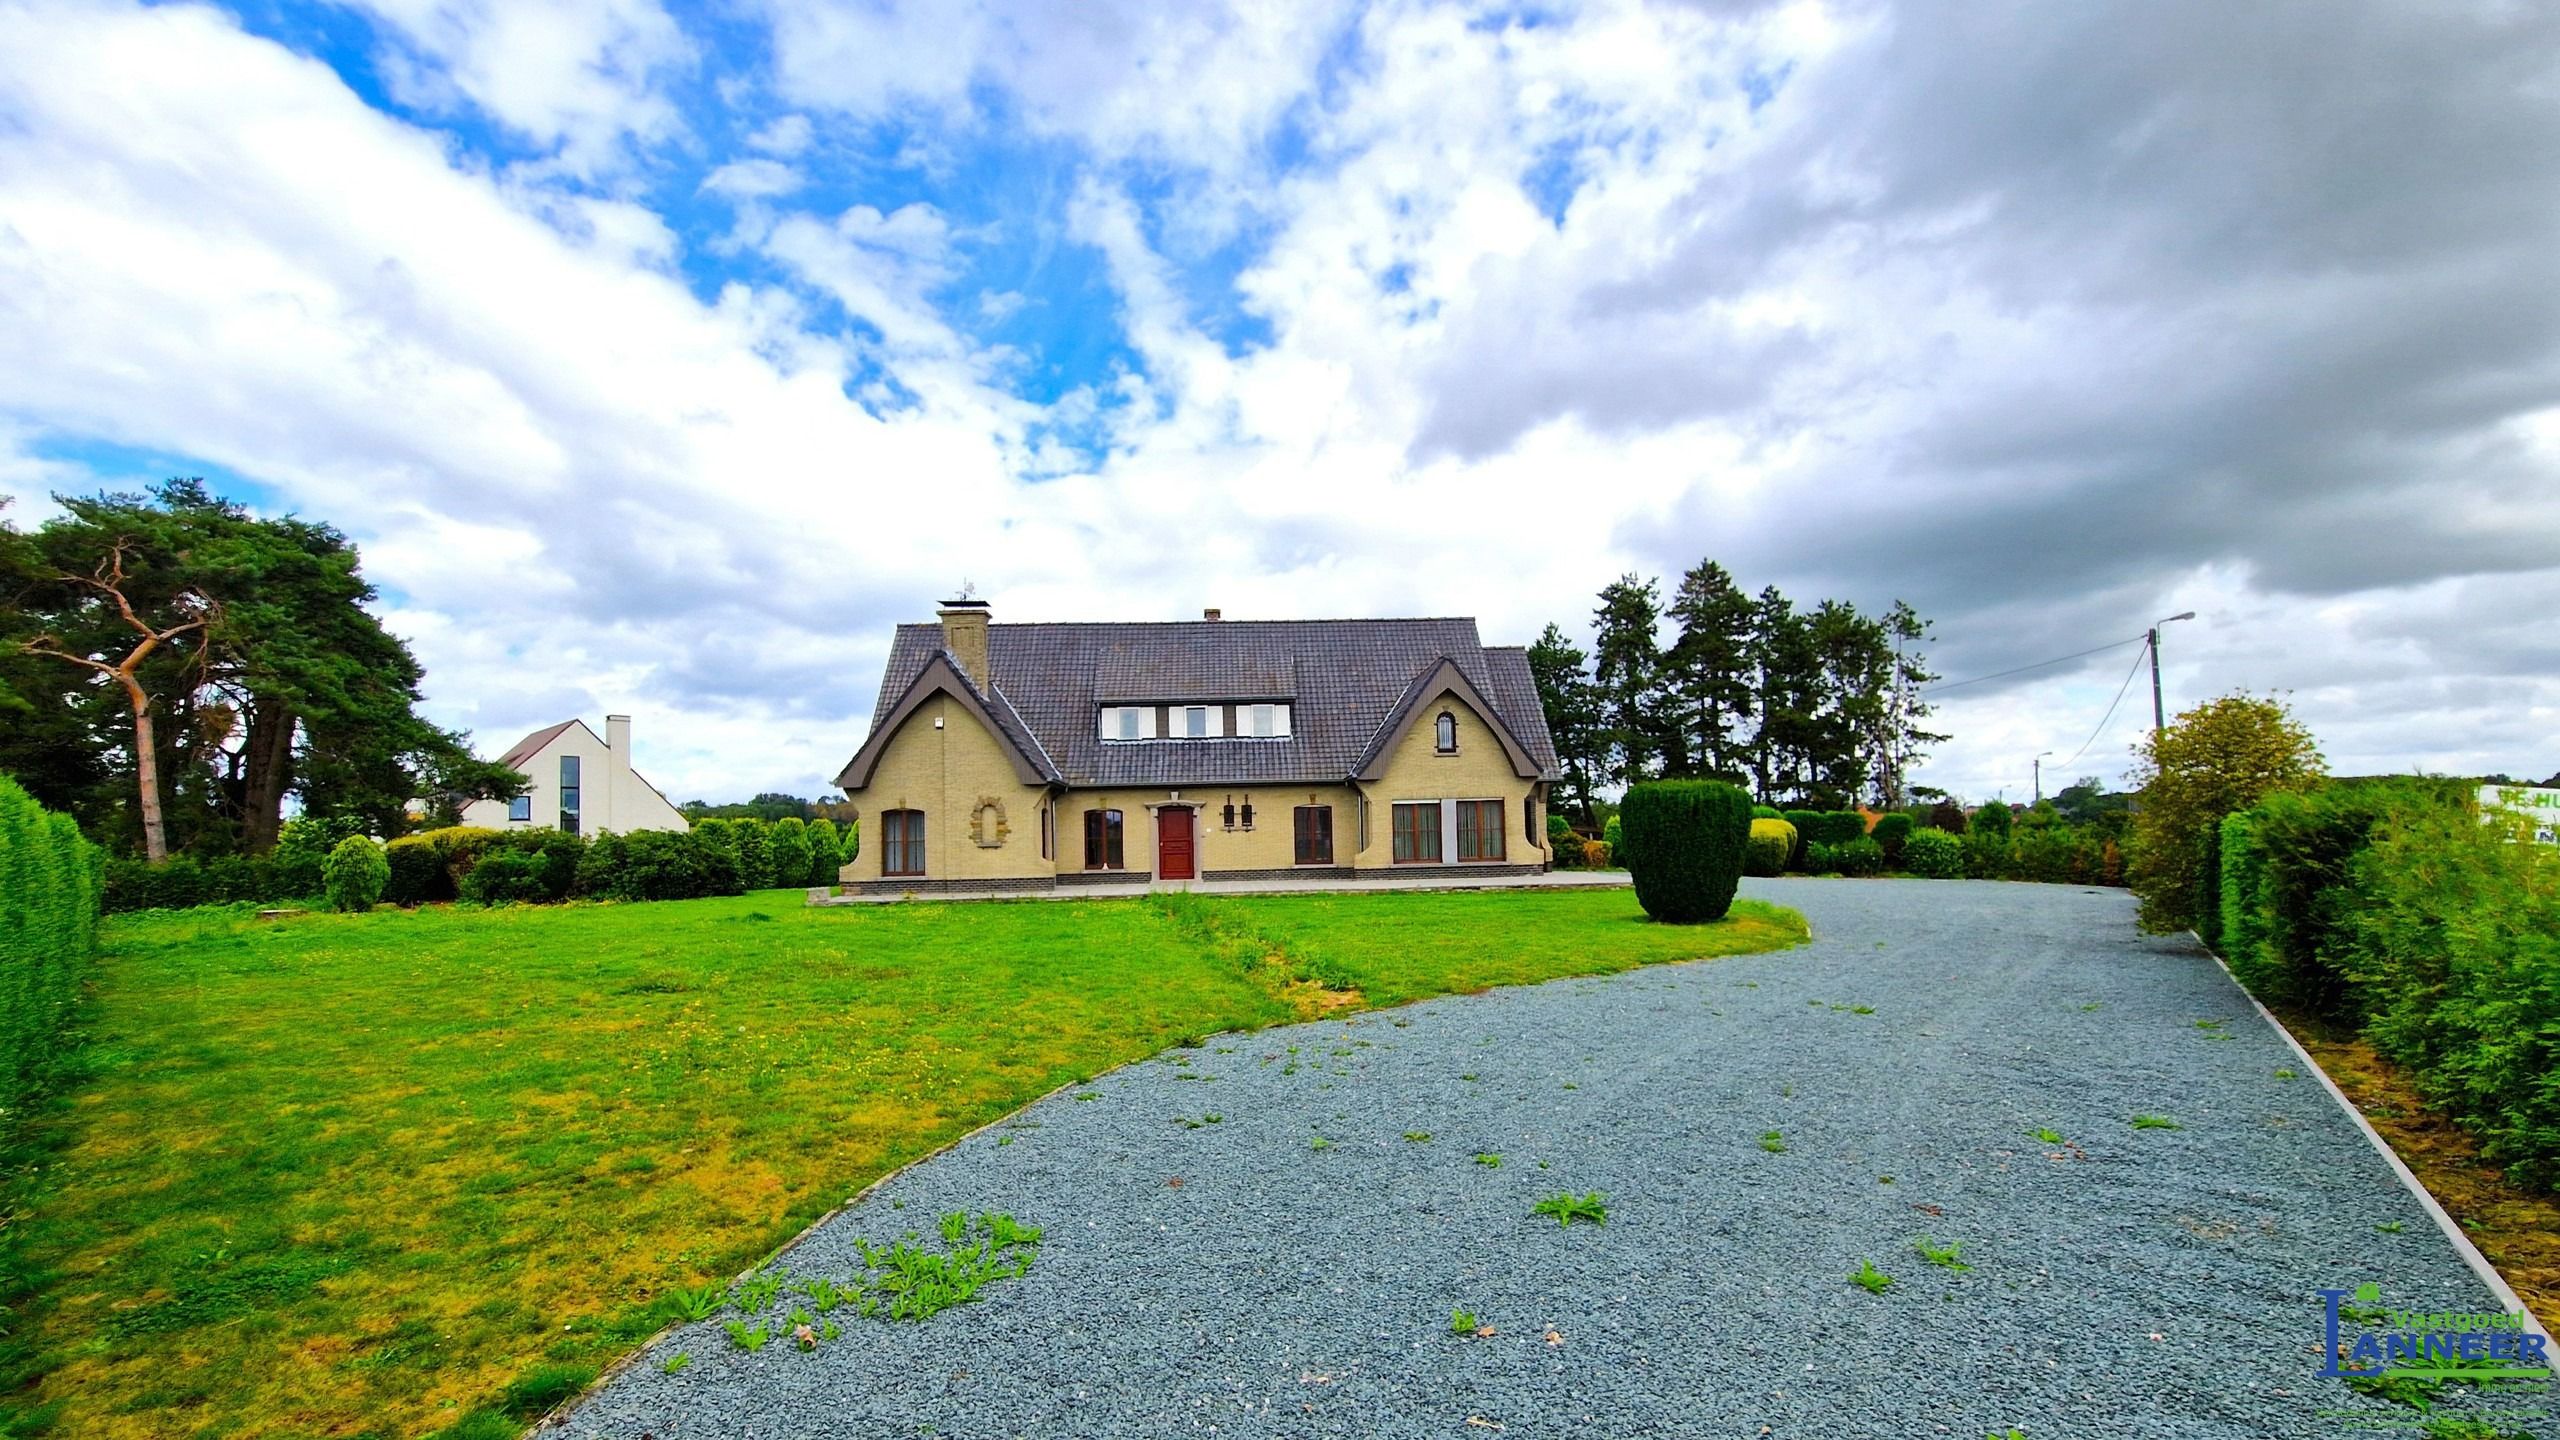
<point x="2040" y="778"/>
<point x="2160" y="718"/>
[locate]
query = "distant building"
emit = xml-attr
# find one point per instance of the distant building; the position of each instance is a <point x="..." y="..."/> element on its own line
<point x="581" y="783"/>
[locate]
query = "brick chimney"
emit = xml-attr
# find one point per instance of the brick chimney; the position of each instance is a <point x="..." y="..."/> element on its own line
<point x="964" y="634"/>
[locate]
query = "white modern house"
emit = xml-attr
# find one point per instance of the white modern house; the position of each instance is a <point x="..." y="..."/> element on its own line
<point x="582" y="783"/>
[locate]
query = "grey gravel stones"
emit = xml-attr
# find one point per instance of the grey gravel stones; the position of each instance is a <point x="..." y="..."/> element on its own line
<point x="2126" y="1282"/>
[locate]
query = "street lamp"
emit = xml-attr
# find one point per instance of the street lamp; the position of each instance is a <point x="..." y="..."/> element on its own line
<point x="2159" y="719"/>
<point x="2040" y="779"/>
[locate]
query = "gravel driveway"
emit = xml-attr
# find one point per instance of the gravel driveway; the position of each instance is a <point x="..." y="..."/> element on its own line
<point x="2155" y="1282"/>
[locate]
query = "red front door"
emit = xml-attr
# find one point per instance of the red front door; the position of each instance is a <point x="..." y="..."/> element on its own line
<point x="1173" y="843"/>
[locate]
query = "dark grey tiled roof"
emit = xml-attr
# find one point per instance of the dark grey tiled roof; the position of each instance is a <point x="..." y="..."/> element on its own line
<point x="1345" y="678"/>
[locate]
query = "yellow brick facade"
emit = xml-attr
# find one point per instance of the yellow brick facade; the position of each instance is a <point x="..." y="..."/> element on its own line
<point x="947" y="769"/>
<point x="943" y="762"/>
<point x="1480" y="770"/>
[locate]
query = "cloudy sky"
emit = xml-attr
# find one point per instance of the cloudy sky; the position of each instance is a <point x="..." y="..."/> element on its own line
<point x="661" y="358"/>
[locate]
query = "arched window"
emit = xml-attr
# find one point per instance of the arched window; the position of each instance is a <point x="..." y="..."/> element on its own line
<point x="901" y="842"/>
<point x="1448" y="733"/>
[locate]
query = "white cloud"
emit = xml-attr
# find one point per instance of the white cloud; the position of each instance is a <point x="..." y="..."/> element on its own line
<point x="754" y="179"/>
<point x="579" y="76"/>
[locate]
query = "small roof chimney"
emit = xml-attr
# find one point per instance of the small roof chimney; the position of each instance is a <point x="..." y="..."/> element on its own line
<point x="1211" y="614"/>
<point x="964" y="634"/>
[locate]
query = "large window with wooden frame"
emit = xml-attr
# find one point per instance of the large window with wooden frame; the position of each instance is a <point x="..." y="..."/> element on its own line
<point x="1315" y="835"/>
<point x="1480" y="832"/>
<point x="1102" y="841"/>
<point x="1417" y="833"/>
<point x="902" y="842"/>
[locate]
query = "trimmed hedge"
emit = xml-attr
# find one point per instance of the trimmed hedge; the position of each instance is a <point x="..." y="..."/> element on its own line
<point x="1934" y="855"/>
<point x="2392" y="907"/>
<point x="51" y="881"/>
<point x="657" y="865"/>
<point x="1685" y="842"/>
<point x="1892" y="832"/>
<point x="1862" y="856"/>
<point x="1772" y="843"/>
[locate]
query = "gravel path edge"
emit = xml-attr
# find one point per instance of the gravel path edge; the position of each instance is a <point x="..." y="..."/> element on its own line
<point x="2444" y="1221"/>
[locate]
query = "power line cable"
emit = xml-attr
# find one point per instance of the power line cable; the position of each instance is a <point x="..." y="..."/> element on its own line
<point x="2039" y="665"/>
<point x="2111" y="706"/>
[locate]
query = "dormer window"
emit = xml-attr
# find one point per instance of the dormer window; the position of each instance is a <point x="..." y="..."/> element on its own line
<point x="1447" y="733"/>
<point x="1195" y="722"/>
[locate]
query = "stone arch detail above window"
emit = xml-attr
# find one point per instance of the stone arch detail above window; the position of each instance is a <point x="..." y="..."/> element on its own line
<point x="987" y="826"/>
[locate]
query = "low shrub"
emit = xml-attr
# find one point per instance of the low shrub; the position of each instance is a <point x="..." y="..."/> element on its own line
<point x="1595" y="855"/>
<point x="1836" y="828"/>
<point x="657" y="865"/>
<point x="1892" y="832"/>
<point x="174" y="884"/>
<point x="1767" y="812"/>
<point x="507" y="876"/>
<point x="1862" y="856"/>
<point x="417" y="876"/>
<point x="1772" y="843"/>
<point x="1808" y="825"/>
<point x="1992" y="817"/>
<point x="1821" y="859"/>
<point x="1685" y="842"/>
<point x="1613" y="833"/>
<point x="351" y="879"/>
<point x="1933" y="855"/>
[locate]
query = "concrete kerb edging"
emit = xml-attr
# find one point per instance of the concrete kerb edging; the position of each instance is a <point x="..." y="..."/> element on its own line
<point x="2444" y="1221"/>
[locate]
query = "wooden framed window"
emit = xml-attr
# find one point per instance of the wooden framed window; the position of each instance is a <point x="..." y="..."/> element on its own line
<point x="1445" y="734"/>
<point x="1480" y="832"/>
<point x="1102" y="841"/>
<point x="1417" y="833"/>
<point x="902" y="842"/>
<point x="1315" y="835"/>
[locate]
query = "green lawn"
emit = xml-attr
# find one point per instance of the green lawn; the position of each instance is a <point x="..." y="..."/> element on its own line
<point x="354" y="1175"/>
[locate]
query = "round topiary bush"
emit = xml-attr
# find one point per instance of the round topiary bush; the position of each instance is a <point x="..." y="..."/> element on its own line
<point x="1892" y="832"/>
<point x="354" y="874"/>
<point x="1772" y="842"/>
<point x="1862" y="856"/>
<point x="1767" y="812"/>
<point x="1684" y="842"/>
<point x="1933" y="855"/>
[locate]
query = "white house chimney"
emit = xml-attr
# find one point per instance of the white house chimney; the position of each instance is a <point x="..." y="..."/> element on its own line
<point x="617" y="736"/>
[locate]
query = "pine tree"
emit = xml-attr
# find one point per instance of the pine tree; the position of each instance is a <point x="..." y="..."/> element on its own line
<point x="1855" y="669"/>
<point x="1903" y="739"/>
<point x="1713" y="683"/>
<point x="1789" y="694"/>
<point x="1627" y="663"/>
<point x="1565" y="691"/>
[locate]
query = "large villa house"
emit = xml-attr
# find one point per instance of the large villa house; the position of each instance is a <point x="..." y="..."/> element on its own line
<point x="1026" y="757"/>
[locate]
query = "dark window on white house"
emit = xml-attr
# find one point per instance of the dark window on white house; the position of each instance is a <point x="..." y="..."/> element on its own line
<point x="568" y="794"/>
<point x="520" y="808"/>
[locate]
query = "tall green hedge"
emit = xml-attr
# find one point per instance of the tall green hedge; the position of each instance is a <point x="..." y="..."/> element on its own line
<point x="50" y="884"/>
<point x="1685" y="841"/>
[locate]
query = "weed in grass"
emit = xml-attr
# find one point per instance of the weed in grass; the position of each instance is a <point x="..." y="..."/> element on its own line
<point x="1469" y="1078"/>
<point x="1542" y="1164"/>
<point x="1003" y="1140"/>
<point x="698" y="1304"/>
<point x="1089" y="1095"/>
<point x="1862" y="1009"/>
<point x="747" y="1337"/>
<point x="1948" y="1256"/>
<point x="1568" y="1208"/>
<point x="802" y="1318"/>
<point x="1212" y="1118"/>
<point x="2156" y="1122"/>
<point x="543" y="1387"/>
<point x="2285" y="1074"/>
<point x="1462" y="1322"/>
<point x="825" y="1294"/>
<point x="2012" y="1433"/>
<point x="2211" y="1024"/>
<point x="1569" y="1085"/>
<point x="2047" y="1135"/>
<point x="2390" y="1227"/>
<point x="675" y="1364"/>
<point x="1870" y="1279"/>
<point x="1417" y="1137"/>
<point x="954" y="1226"/>
<point x="2092" y="1005"/>
<point x="1884" y="1179"/>
<point x="1489" y="1160"/>
<point x="2450" y="1426"/>
<point x="1774" y="1142"/>
<point x="1318" y="1142"/>
<point x="828" y="1331"/>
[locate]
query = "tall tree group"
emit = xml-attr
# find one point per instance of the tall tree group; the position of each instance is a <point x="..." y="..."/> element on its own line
<point x="173" y="668"/>
<point x="1819" y="707"/>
